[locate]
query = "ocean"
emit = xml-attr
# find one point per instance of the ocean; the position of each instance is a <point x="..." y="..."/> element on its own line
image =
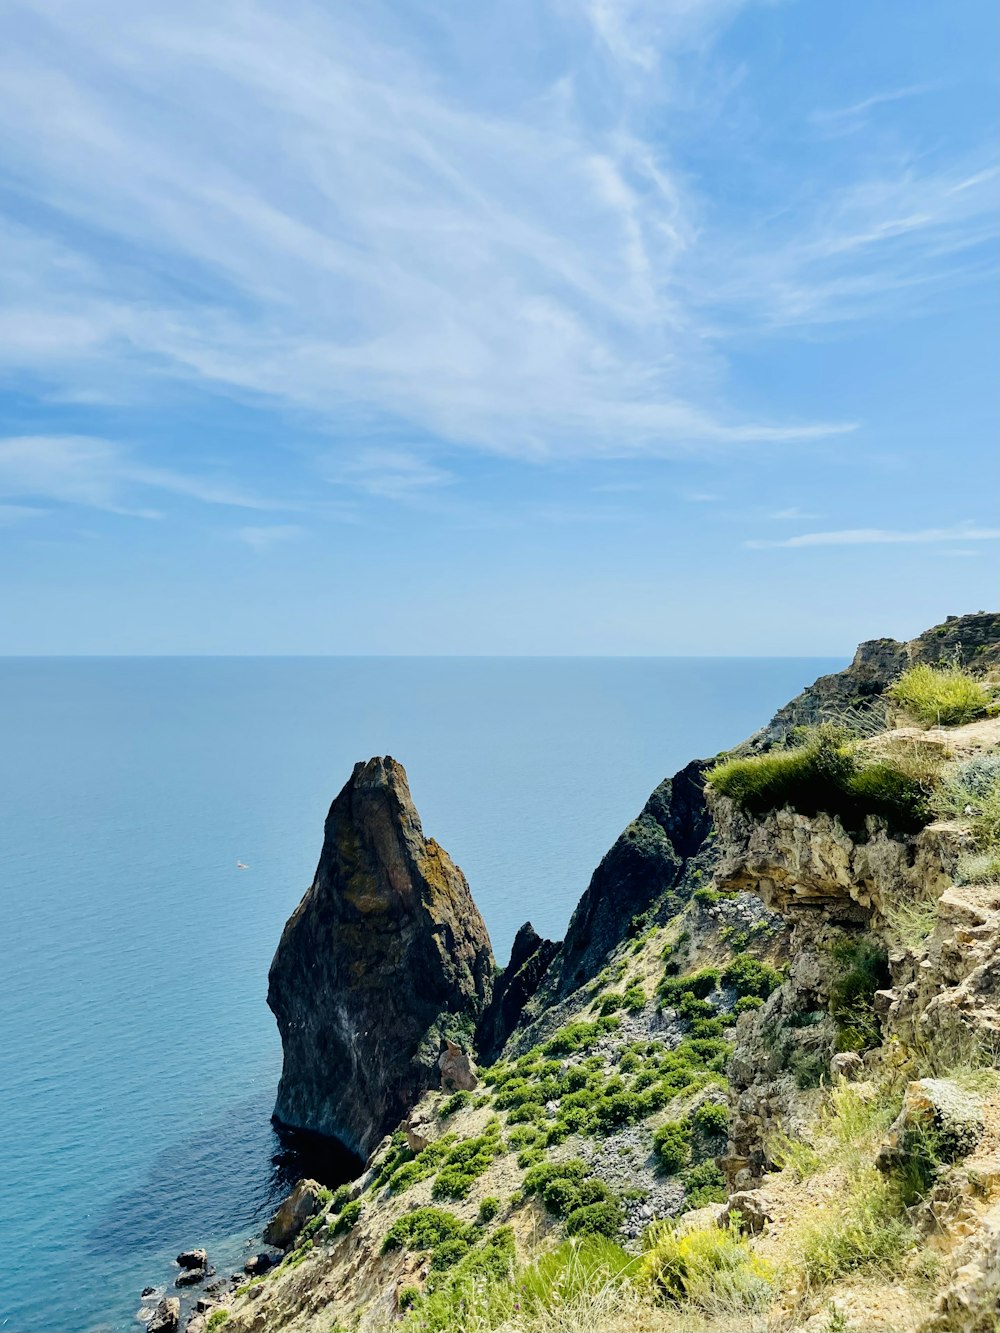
<point x="139" y="1060"/>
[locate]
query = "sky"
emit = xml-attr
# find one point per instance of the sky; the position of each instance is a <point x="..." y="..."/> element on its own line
<point x="521" y="327"/>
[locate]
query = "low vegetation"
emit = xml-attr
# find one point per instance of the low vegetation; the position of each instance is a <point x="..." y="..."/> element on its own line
<point x="826" y="772"/>
<point x="710" y="1269"/>
<point x="944" y="696"/>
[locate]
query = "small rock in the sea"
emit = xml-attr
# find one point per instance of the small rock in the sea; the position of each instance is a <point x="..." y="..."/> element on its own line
<point x="166" y="1317"/>
<point x="147" y="1291"/>
<point x="190" y="1277"/>
<point x="193" y="1259"/>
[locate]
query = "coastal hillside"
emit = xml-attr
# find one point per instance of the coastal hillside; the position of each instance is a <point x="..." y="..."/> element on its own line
<point x="755" y="1086"/>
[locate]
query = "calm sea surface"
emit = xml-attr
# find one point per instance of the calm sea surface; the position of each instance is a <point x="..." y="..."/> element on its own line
<point x="139" y="1060"/>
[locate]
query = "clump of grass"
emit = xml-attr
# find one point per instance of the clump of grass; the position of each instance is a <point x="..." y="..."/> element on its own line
<point x="704" y="1184"/>
<point x="971" y="795"/>
<point x="708" y="1269"/>
<point x="864" y="1233"/>
<point x="913" y="922"/>
<point x="939" y="696"/>
<point x="826" y="772"/>
<point x="865" y="969"/>
<point x="979" y="868"/>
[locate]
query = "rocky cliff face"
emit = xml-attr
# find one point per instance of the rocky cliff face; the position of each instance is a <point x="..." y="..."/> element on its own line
<point x="385" y="957"/>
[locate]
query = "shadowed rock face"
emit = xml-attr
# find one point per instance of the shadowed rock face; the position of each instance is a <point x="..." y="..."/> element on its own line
<point x="384" y="956"/>
<point x="514" y="987"/>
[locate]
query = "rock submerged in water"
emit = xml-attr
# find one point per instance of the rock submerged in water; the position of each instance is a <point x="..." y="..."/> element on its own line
<point x="385" y="956"/>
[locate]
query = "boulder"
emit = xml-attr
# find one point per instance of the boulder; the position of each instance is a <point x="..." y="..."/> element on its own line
<point x="258" y="1263"/>
<point x="190" y="1277"/>
<point x="166" y="1317"/>
<point x="421" y="1128"/>
<point x="193" y="1259"/>
<point x="378" y="963"/>
<point x="970" y="1303"/>
<point x="293" y="1213"/>
<point x="938" y="1121"/>
<point x="846" y="1067"/>
<point x="752" y="1208"/>
<point x="458" y="1073"/>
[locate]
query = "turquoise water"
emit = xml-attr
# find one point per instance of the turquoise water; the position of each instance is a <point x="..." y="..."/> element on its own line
<point x="139" y="1058"/>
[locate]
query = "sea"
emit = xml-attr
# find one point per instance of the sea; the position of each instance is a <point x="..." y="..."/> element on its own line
<point x="138" y="1059"/>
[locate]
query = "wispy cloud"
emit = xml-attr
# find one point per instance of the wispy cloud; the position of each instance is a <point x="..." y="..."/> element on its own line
<point x="508" y="280"/>
<point x="99" y="474"/>
<point x="853" y="117"/>
<point x="265" y="537"/>
<point x="391" y="474"/>
<point x="880" y="536"/>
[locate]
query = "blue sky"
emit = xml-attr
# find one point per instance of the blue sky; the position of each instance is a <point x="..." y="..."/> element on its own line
<point x="542" y="326"/>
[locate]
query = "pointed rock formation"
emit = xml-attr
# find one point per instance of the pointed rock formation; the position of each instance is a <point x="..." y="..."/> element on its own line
<point x="514" y="987"/>
<point x="384" y="958"/>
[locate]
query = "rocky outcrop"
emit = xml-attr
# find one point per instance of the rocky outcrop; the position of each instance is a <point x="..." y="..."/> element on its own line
<point x="811" y="863"/>
<point x="938" y="1121"/>
<point x="970" y="1303"/>
<point x="858" y="689"/>
<point x="166" y="1317"/>
<point x="293" y="1213"/>
<point x="647" y="861"/>
<point x="517" y="983"/>
<point x="385" y="956"/>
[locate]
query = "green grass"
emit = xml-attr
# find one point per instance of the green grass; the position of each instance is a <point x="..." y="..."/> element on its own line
<point x="913" y="922"/>
<point x="939" y="696"/>
<point x="864" y="1233"/>
<point x="827" y="773"/>
<point x="347" y="1219"/>
<point x="864" y="970"/>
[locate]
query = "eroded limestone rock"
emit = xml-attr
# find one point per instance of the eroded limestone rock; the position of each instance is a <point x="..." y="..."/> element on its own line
<point x="385" y="956"/>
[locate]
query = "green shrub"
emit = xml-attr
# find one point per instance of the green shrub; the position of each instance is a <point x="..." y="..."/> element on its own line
<point x="751" y="978"/>
<point x="426" y="1229"/>
<point x="610" y="1002"/>
<point x="465" y="1162"/>
<point x="706" y="896"/>
<point x="939" y="696"/>
<point x="709" y="1268"/>
<point x="407" y="1297"/>
<point x="575" y="1035"/>
<point x="852" y="996"/>
<point x="488" y="1210"/>
<point x="340" y="1198"/>
<point x="746" y="1003"/>
<point x="216" y="1319"/>
<point x="596" y="1219"/>
<point x="347" y="1219"/>
<point x="456" y="1102"/>
<point x="635" y="999"/>
<point x="704" y="1184"/>
<point x="712" y="1118"/>
<point x="672" y="1144"/>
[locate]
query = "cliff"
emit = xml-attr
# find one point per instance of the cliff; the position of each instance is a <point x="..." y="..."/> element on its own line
<point x="385" y="957"/>
<point x="778" y="1001"/>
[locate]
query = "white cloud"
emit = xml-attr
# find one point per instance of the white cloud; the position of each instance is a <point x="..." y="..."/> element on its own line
<point x="391" y="474"/>
<point x="326" y="222"/>
<point x="99" y="474"/>
<point x="880" y="536"/>
<point x="306" y="205"/>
